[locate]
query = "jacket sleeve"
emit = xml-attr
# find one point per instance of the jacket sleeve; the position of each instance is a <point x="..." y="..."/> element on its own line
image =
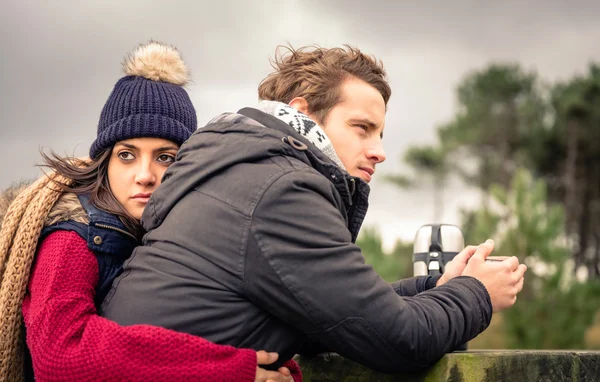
<point x="415" y="285"/>
<point x="69" y="341"/>
<point x="302" y="266"/>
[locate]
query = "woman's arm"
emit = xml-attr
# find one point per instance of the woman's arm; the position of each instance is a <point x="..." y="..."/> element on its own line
<point x="69" y="341"/>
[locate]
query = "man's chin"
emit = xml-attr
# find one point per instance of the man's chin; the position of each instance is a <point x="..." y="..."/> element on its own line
<point x="363" y="175"/>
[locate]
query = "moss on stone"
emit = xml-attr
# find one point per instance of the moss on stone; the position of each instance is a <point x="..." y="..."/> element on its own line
<point x="470" y="366"/>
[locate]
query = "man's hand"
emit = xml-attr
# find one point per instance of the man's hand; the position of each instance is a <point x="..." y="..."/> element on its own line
<point x="262" y="375"/>
<point x="456" y="267"/>
<point x="502" y="279"/>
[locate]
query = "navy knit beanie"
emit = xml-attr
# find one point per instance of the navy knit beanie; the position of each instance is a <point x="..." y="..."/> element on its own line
<point x="149" y="101"/>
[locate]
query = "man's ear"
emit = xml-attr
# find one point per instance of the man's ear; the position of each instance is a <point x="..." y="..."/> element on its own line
<point x="300" y="104"/>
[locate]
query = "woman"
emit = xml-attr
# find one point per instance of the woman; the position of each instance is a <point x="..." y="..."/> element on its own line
<point x="81" y="222"/>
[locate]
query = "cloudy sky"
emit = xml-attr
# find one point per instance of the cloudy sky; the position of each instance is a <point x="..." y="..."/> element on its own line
<point x="60" y="60"/>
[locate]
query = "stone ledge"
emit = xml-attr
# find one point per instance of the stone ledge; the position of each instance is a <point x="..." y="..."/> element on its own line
<point x="467" y="366"/>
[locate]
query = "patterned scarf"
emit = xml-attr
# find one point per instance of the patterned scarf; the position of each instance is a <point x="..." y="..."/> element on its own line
<point x="305" y="126"/>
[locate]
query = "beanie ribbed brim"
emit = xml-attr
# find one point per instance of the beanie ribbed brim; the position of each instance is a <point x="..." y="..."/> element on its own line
<point x="138" y="126"/>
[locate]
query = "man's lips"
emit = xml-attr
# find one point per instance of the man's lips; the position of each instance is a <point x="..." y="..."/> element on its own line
<point x="368" y="171"/>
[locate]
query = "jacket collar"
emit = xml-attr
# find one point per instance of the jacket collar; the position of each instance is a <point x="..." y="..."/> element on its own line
<point x="353" y="190"/>
<point x="106" y="232"/>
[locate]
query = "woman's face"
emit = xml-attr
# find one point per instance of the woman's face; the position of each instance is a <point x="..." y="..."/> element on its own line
<point x="135" y="170"/>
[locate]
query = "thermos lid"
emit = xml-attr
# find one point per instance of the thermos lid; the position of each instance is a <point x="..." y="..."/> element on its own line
<point x="438" y="237"/>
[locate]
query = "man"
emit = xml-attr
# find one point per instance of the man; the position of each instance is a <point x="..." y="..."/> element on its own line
<point x="251" y="235"/>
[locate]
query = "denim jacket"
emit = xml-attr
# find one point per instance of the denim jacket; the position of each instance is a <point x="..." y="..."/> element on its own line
<point x="106" y="237"/>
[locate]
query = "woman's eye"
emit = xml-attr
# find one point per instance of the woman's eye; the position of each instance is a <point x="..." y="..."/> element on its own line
<point x="166" y="158"/>
<point x="126" y="155"/>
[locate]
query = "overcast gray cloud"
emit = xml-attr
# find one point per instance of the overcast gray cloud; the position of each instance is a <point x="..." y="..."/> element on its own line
<point x="61" y="59"/>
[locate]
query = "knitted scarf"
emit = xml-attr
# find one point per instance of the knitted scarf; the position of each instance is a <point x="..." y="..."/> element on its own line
<point x="303" y="125"/>
<point x="19" y="236"/>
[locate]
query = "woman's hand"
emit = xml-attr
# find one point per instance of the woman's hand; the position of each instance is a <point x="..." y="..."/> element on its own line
<point x="262" y="375"/>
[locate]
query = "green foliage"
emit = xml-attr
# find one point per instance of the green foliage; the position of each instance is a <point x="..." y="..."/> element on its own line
<point x="568" y="156"/>
<point x="478" y="225"/>
<point x="500" y="109"/>
<point x="426" y="161"/>
<point x="553" y="310"/>
<point x="399" y="180"/>
<point x="390" y="266"/>
<point x="507" y="119"/>
<point x="548" y="216"/>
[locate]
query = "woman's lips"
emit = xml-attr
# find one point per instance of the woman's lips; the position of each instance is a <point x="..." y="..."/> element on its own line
<point x="142" y="197"/>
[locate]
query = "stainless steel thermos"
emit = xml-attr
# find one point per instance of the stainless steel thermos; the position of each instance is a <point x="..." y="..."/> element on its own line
<point x="435" y="246"/>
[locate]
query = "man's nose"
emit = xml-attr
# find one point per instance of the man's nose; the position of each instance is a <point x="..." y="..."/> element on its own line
<point x="376" y="153"/>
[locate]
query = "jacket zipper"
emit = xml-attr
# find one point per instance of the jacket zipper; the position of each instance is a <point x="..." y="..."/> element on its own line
<point x="116" y="229"/>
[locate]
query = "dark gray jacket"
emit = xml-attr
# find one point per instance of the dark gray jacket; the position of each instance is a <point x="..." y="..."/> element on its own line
<point x="251" y="243"/>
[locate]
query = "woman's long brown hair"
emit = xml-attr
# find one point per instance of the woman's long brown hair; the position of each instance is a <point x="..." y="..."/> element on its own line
<point x="91" y="177"/>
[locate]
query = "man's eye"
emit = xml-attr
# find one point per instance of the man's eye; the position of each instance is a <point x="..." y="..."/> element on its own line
<point x="125" y="155"/>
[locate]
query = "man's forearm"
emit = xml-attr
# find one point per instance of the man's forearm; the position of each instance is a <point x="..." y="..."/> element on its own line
<point x="415" y="285"/>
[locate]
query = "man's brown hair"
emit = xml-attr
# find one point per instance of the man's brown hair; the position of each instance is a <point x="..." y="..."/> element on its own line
<point x="316" y="74"/>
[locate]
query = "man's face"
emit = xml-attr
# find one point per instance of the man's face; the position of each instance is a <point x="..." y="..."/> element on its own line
<point x="355" y="128"/>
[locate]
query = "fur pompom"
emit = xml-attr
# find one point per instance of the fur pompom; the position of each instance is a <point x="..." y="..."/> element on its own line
<point x="157" y="62"/>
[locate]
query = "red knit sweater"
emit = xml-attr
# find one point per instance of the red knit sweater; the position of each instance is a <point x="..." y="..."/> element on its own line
<point x="69" y="341"/>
